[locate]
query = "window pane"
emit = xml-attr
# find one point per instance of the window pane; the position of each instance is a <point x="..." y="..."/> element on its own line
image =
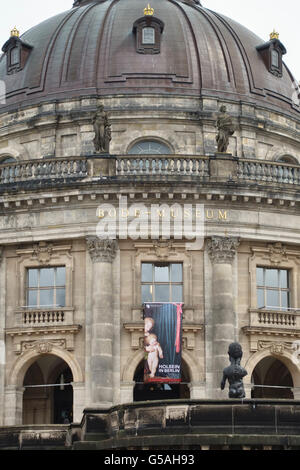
<point x="47" y="277"/>
<point x="162" y="293"/>
<point x="259" y="276"/>
<point x="284" y="279"/>
<point x="260" y="298"/>
<point x="176" y="272"/>
<point x="46" y="297"/>
<point x="32" y="277"/>
<point x="61" y="297"/>
<point x="14" y="56"/>
<point x="60" y="276"/>
<point x="161" y="273"/>
<point x="148" y="36"/>
<point x="146" y="294"/>
<point x="32" y="298"/>
<point x="272" y="278"/>
<point x="275" y="58"/>
<point x="285" y="299"/>
<point x="147" y="272"/>
<point x="272" y="299"/>
<point x="177" y="294"/>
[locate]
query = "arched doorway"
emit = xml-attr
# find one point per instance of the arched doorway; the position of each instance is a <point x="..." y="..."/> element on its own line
<point x="48" y="395"/>
<point x="146" y="392"/>
<point x="272" y="379"/>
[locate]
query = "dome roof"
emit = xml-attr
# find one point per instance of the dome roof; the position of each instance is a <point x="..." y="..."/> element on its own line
<point x="91" y="49"/>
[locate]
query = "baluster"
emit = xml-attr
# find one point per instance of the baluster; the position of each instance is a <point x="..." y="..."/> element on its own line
<point x="285" y="175"/>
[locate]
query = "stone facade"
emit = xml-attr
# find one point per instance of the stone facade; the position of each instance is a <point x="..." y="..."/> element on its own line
<point x="248" y="202"/>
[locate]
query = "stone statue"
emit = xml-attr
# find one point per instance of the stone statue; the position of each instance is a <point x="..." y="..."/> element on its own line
<point x="235" y="372"/>
<point x="225" y="128"/>
<point x="102" y="131"/>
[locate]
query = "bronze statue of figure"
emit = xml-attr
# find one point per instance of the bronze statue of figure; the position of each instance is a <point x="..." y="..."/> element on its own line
<point x="235" y="372"/>
<point x="225" y="128"/>
<point x="102" y="131"/>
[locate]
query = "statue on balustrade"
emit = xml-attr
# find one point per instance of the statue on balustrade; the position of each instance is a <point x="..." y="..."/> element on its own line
<point x="225" y="128"/>
<point x="235" y="372"/>
<point x="102" y="129"/>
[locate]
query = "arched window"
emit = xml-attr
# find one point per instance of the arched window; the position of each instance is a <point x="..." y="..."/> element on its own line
<point x="149" y="147"/>
<point x="288" y="159"/>
<point x="7" y="160"/>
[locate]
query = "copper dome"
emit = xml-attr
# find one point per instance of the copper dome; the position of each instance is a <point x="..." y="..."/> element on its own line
<point x="91" y="50"/>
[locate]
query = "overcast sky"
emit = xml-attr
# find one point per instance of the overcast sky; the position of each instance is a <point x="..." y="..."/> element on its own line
<point x="260" y="16"/>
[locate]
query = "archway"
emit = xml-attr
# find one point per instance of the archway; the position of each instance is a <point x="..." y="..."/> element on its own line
<point x="146" y="392"/>
<point x="272" y="379"/>
<point x="48" y="395"/>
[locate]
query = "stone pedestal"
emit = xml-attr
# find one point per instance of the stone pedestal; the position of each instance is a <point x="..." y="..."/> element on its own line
<point x="223" y="167"/>
<point x="102" y="165"/>
<point x="222" y="251"/>
<point x="102" y="254"/>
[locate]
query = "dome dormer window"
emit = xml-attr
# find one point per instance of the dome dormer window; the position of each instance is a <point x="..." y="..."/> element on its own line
<point x="271" y="53"/>
<point x="148" y="31"/>
<point x="16" y="52"/>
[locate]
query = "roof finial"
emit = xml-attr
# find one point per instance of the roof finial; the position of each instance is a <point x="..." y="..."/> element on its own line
<point x="274" y="35"/>
<point x="148" y="11"/>
<point x="15" y="33"/>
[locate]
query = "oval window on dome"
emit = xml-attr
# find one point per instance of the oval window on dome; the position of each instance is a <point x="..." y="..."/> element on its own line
<point x="149" y="147"/>
<point x="148" y="36"/>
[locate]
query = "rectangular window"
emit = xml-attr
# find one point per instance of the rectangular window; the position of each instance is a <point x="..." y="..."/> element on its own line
<point x="275" y="58"/>
<point x="148" y="36"/>
<point x="162" y="282"/>
<point x="273" y="290"/>
<point x="14" y="56"/>
<point x="46" y="287"/>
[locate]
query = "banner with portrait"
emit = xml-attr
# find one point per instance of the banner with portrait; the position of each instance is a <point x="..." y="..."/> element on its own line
<point x="162" y="342"/>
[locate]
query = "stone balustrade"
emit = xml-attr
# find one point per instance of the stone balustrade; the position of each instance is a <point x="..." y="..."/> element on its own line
<point x="268" y="172"/>
<point x="44" y="317"/>
<point x="275" y="318"/>
<point x="54" y="171"/>
<point x="163" y="165"/>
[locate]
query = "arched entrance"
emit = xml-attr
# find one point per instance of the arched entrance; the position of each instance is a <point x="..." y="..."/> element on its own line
<point x="271" y="372"/>
<point x="146" y="392"/>
<point x="48" y="395"/>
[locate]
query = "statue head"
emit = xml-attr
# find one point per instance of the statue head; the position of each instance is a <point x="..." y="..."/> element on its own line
<point x="235" y="351"/>
<point x="223" y="109"/>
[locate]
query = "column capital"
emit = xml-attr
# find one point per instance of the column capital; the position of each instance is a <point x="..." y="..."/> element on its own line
<point x="101" y="250"/>
<point x="222" y="250"/>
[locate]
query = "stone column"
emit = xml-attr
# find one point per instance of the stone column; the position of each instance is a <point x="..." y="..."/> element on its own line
<point x="13" y="410"/>
<point x="222" y="251"/>
<point x="102" y="254"/>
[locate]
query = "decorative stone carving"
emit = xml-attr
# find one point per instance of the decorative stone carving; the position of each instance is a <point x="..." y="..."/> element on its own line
<point x="163" y="249"/>
<point x="43" y="347"/>
<point x="276" y="348"/>
<point x="43" y="252"/>
<point x="277" y="252"/>
<point x="225" y="128"/>
<point x="102" y="250"/>
<point x="222" y="250"/>
<point x="102" y="130"/>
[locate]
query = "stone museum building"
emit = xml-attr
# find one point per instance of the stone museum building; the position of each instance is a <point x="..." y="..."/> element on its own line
<point x="137" y="118"/>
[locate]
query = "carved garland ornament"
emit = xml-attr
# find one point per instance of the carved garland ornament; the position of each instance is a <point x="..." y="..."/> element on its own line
<point x="222" y="250"/>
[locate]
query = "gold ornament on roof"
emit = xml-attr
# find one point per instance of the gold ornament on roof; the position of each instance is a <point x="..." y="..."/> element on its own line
<point x="274" y="35"/>
<point x="148" y="11"/>
<point x="15" y="33"/>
